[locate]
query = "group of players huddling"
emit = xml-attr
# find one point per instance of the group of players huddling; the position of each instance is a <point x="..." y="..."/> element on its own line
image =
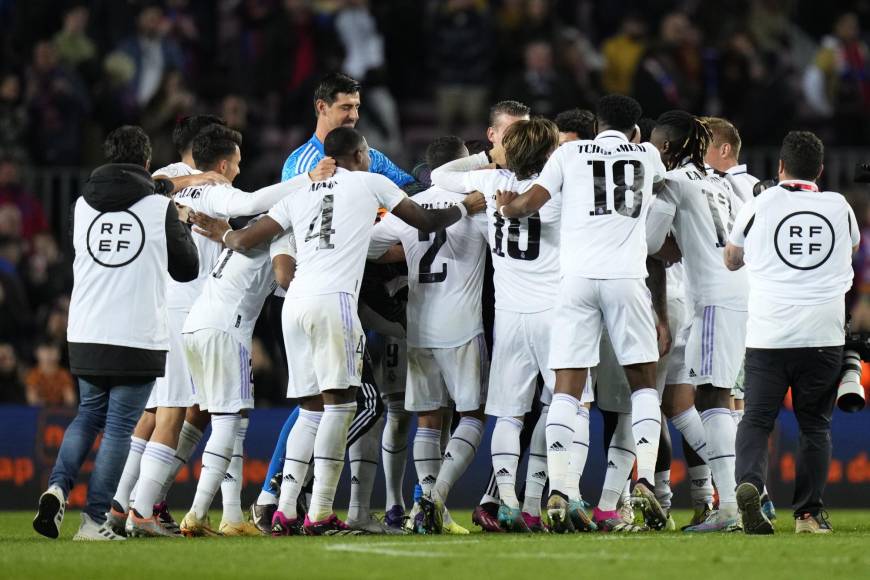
<point x="606" y="234"/>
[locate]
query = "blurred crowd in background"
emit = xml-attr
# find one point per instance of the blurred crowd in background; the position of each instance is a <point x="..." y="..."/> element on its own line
<point x="70" y="71"/>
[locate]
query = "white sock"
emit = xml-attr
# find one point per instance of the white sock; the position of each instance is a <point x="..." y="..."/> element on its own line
<point x="577" y="453"/>
<point x="536" y="473"/>
<point x="427" y="456"/>
<point x="231" y="486"/>
<point x="505" y="449"/>
<point x="131" y="473"/>
<point x="620" y="460"/>
<point x="737" y="415"/>
<point x="721" y="434"/>
<point x="188" y="440"/>
<point x="663" y="488"/>
<point x="561" y="423"/>
<point x="363" y="457"/>
<point x="689" y="424"/>
<point x="297" y="457"/>
<point x="156" y="464"/>
<point x="646" y="427"/>
<point x="329" y="448"/>
<point x="215" y="461"/>
<point x="701" y="485"/>
<point x="459" y="454"/>
<point x="394" y="455"/>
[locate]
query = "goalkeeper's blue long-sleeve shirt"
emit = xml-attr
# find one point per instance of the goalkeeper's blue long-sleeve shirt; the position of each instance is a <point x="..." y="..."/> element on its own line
<point x="305" y="157"/>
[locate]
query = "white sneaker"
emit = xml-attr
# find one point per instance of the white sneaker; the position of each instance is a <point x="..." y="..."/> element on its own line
<point x="49" y="517"/>
<point x="91" y="531"/>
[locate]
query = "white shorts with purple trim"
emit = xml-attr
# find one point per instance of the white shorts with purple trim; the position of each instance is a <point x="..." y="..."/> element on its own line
<point x="325" y="343"/>
<point x="437" y="376"/>
<point x="220" y="367"/>
<point x="716" y="346"/>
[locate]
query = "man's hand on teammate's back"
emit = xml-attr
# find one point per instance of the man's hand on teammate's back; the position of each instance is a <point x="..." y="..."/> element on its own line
<point x="324" y="169"/>
<point x="503" y="198"/>
<point x="212" y="228"/>
<point x="474" y="202"/>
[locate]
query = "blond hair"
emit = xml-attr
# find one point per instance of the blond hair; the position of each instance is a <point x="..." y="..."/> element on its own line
<point x="528" y="144"/>
<point x="724" y="132"/>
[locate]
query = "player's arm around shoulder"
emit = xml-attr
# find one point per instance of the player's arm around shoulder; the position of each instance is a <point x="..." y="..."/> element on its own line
<point x="734" y="252"/>
<point x="382" y="165"/>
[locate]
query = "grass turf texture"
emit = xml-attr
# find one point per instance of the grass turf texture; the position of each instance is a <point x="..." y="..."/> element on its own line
<point x="24" y="554"/>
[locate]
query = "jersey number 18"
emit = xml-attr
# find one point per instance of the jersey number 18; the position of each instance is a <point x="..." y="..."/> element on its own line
<point x="615" y="184"/>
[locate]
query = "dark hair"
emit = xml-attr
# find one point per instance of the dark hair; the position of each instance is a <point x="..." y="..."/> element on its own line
<point x="528" y="145"/>
<point x="617" y="112"/>
<point x="646" y="126"/>
<point x="444" y="150"/>
<point x="802" y="155"/>
<point x="342" y="142"/>
<point x="214" y="143"/>
<point x="511" y="108"/>
<point x="688" y="135"/>
<point x="189" y="127"/>
<point x="127" y="144"/>
<point x="579" y="121"/>
<point x="476" y="146"/>
<point x="332" y="84"/>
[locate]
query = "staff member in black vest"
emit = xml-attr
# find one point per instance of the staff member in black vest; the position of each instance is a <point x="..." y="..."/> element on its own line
<point x="797" y="244"/>
<point x="126" y="236"/>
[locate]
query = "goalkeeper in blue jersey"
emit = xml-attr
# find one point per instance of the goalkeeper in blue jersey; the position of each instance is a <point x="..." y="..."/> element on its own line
<point x="336" y="102"/>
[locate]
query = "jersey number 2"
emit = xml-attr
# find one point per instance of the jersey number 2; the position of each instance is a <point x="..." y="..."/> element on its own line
<point x="426" y="275"/>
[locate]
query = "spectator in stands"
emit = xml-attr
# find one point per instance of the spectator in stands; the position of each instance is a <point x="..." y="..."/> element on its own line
<point x="48" y="384"/>
<point x="837" y="85"/>
<point x="16" y="318"/>
<point x="171" y="102"/>
<point x="11" y="385"/>
<point x="58" y="104"/>
<point x="74" y="47"/>
<point x="622" y="53"/>
<point x="14" y="121"/>
<point x="539" y="84"/>
<point x="152" y="53"/>
<point x="47" y="275"/>
<point x="461" y="53"/>
<point x="13" y="193"/>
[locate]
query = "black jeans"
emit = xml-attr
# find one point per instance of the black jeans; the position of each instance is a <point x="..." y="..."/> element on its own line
<point x="812" y="374"/>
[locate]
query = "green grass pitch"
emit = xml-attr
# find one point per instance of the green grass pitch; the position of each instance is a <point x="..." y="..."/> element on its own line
<point x="845" y="554"/>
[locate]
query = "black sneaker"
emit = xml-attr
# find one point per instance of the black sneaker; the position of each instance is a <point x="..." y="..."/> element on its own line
<point x="749" y="504"/>
<point x="261" y="516"/>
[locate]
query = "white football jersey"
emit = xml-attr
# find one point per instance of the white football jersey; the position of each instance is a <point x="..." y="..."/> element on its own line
<point x="606" y="187"/>
<point x="445" y="273"/>
<point x="705" y="207"/>
<point x="233" y="294"/>
<point x="224" y="202"/>
<point x="332" y="223"/>
<point x="178" y="169"/>
<point x="741" y="182"/>
<point x="525" y="252"/>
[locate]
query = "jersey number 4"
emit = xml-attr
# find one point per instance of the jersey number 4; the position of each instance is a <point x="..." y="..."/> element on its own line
<point x="615" y="182"/>
<point x="426" y="275"/>
<point x="326" y="231"/>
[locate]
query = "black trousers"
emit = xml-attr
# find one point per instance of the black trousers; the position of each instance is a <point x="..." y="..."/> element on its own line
<point x="812" y="374"/>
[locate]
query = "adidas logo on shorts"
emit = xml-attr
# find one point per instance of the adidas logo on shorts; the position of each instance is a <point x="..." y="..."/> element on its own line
<point x="503" y="472"/>
<point x="557" y="447"/>
<point x="692" y="373"/>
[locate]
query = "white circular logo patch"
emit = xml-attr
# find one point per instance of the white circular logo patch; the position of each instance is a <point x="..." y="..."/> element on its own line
<point x="115" y="239"/>
<point x="804" y="240"/>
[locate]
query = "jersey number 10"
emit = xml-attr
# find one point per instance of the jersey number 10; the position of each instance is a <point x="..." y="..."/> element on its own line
<point x="603" y="184"/>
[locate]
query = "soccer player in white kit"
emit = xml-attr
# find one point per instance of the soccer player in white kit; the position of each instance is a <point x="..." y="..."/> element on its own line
<point x="606" y="187"/>
<point x="705" y="206"/>
<point x="447" y="355"/>
<point x="331" y="224"/>
<point x="525" y="255"/>
<point x="172" y="394"/>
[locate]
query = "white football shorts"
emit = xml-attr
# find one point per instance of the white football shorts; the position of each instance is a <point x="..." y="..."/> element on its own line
<point x="175" y="388"/>
<point x="671" y="368"/>
<point x="716" y="346"/>
<point x="520" y="352"/>
<point x="220" y="367"/>
<point x="437" y="376"/>
<point x="586" y="306"/>
<point x="325" y="343"/>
